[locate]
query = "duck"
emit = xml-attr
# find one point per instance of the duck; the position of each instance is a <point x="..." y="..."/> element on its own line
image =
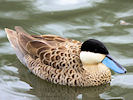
<point x="64" y="61"/>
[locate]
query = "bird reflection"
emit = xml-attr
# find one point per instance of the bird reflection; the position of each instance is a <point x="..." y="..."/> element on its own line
<point x="48" y="91"/>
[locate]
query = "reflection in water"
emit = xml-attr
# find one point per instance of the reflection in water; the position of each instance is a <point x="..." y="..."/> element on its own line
<point x="61" y="5"/>
<point x="46" y="90"/>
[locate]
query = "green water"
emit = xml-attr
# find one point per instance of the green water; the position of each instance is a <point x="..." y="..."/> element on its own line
<point x="77" y="19"/>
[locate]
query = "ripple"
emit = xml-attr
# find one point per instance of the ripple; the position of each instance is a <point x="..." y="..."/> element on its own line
<point x="124" y="39"/>
<point x="61" y="5"/>
<point x="124" y="81"/>
<point x="2" y="33"/>
<point x="124" y="14"/>
<point x="129" y="30"/>
<point x="126" y="61"/>
<point x="63" y="28"/>
<point x="121" y="88"/>
<point x="6" y="48"/>
<point x="11" y="85"/>
<point x="10" y="69"/>
<point x="14" y="15"/>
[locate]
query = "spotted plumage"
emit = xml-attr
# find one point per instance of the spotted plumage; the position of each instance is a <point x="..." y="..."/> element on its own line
<point x="56" y="59"/>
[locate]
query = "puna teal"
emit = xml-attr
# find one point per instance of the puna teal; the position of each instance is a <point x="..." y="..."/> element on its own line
<point x="64" y="61"/>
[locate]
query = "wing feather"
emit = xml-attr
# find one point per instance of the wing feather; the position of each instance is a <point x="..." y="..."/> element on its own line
<point x="52" y="50"/>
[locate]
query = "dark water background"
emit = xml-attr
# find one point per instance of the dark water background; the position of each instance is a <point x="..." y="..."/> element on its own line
<point x="77" y="19"/>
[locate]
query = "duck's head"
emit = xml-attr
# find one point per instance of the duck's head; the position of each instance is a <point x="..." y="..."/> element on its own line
<point x="94" y="52"/>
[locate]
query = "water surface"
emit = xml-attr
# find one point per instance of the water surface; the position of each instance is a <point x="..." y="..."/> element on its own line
<point x="76" y="19"/>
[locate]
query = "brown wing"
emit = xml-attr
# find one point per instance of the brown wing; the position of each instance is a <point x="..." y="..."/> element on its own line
<point x="52" y="50"/>
<point x="58" y="52"/>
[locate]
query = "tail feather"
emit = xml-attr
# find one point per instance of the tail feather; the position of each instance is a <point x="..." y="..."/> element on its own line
<point x="23" y="37"/>
<point x="14" y="38"/>
<point x="19" y="29"/>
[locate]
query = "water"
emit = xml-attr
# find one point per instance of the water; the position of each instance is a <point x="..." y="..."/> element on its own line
<point x="77" y="19"/>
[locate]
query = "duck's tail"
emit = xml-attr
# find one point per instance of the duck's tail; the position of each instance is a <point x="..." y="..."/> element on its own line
<point x="18" y="40"/>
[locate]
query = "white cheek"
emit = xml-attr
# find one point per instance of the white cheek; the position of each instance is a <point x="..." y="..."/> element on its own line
<point x="90" y="57"/>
